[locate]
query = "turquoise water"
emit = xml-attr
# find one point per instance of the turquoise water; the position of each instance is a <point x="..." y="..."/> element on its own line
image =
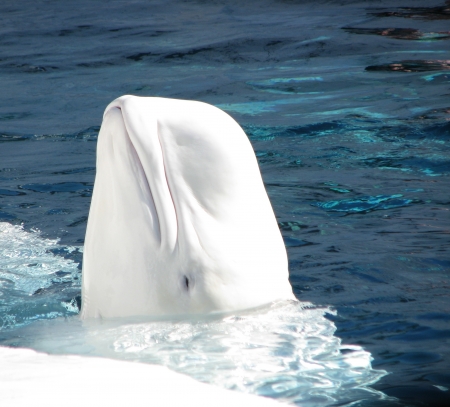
<point x="346" y="105"/>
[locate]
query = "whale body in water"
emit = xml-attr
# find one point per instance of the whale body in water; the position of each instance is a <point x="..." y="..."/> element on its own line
<point x="180" y="222"/>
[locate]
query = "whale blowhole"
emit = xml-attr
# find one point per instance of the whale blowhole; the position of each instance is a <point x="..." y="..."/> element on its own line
<point x="187" y="285"/>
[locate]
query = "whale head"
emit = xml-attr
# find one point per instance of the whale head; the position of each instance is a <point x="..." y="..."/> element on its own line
<point x="180" y="222"/>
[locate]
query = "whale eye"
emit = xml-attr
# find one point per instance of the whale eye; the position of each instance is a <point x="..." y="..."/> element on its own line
<point x="186" y="283"/>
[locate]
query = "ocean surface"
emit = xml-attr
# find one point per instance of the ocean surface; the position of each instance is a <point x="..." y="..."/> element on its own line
<point x="347" y="106"/>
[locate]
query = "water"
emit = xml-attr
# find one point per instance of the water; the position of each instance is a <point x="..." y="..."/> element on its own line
<point x="346" y="105"/>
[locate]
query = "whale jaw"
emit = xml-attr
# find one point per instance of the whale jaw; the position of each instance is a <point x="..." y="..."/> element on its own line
<point x="180" y="222"/>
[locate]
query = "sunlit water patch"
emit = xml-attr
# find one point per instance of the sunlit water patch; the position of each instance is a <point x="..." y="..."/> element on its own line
<point x="286" y="351"/>
<point x="37" y="277"/>
<point x="365" y="204"/>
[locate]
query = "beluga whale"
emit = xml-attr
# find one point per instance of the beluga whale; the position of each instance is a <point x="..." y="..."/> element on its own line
<point x="180" y="222"/>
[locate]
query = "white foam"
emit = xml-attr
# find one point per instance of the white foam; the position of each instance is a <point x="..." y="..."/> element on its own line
<point x="26" y="260"/>
<point x="27" y="266"/>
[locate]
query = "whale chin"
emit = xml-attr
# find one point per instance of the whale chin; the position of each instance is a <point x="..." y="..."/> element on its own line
<point x="180" y="222"/>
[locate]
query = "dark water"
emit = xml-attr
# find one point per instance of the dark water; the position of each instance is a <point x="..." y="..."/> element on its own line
<point x="347" y="105"/>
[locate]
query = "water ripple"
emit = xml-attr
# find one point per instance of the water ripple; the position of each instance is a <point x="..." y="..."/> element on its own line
<point x="33" y="280"/>
<point x="365" y="204"/>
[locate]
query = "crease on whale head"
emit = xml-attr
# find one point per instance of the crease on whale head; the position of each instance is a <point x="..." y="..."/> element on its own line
<point x="180" y="222"/>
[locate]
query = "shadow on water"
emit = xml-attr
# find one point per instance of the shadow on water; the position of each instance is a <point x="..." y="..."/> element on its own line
<point x="401" y="33"/>
<point x="428" y="13"/>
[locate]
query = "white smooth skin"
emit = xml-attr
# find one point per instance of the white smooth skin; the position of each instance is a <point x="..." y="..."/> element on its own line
<point x="29" y="378"/>
<point x="180" y="222"/>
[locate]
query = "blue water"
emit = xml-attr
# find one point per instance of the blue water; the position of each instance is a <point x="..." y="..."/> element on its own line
<point x="347" y="106"/>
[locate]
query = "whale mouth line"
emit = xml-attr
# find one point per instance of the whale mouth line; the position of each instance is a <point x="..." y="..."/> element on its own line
<point x="168" y="186"/>
<point x="141" y="167"/>
<point x="161" y="226"/>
